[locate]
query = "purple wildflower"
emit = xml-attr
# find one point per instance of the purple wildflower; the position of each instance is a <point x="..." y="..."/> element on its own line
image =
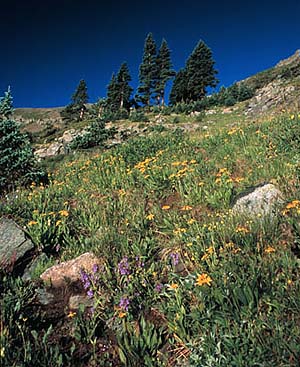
<point x="175" y="258"/>
<point x="124" y="303"/>
<point x="95" y="268"/>
<point x="139" y="263"/>
<point x="159" y="287"/>
<point x="90" y="293"/>
<point x="123" y="266"/>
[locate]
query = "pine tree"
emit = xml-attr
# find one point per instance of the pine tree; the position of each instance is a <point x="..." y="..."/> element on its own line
<point x="164" y="71"/>
<point x="113" y="93"/>
<point x="147" y="72"/>
<point x="17" y="162"/>
<point x="200" y="72"/>
<point x="179" y="91"/>
<point x="76" y="109"/>
<point x="6" y="104"/>
<point x="124" y="89"/>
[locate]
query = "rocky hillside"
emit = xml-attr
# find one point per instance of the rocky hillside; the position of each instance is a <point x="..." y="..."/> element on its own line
<point x="277" y="88"/>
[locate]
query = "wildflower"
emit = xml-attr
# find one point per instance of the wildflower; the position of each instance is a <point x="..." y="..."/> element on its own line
<point x="158" y="287"/>
<point x="123" y="266"/>
<point x="175" y="258"/>
<point x="166" y="207"/>
<point x="2" y="352"/>
<point x="124" y="303"/>
<point x="203" y="279"/>
<point x="191" y="221"/>
<point x="71" y="315"/>
<point x="173" y="286"/>
<point x="90" y="293"/>
<point x="241" y="229"/>
<point x="95" y="268"/>
<point x="150" y="216"/>
<point x="32" y="223"/>
<point x="269" y="250"/>
<point x="122" y="314"/>
<point x="63" y="213"/>
<point x="58" y="223"/>
<point x="186" y="208"/>
<point x="201" y="183"/>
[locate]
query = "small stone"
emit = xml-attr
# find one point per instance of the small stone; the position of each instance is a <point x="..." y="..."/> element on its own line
<point x="80" y="300"/>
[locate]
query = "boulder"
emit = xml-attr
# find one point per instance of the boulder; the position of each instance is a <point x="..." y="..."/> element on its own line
<point x="69" y="271"/>
<point x="14" y="246"/>
<point x="261" y="202"/>
<point x="79" y="300"/>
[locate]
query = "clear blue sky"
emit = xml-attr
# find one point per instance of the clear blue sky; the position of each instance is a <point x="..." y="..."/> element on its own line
<point x="48" y="46"/>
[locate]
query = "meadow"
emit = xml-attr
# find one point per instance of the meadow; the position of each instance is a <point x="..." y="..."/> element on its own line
<point x="183" y="280"/>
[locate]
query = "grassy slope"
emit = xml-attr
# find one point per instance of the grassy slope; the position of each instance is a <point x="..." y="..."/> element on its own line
<point x="213" y="288"/>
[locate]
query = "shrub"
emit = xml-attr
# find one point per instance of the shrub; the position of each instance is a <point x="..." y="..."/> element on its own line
<point x="95" y="136"/>
<point x="138" y="116"/>
<point x="17" y="162"/>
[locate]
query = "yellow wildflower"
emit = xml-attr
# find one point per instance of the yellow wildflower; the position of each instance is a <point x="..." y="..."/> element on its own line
<point x="63" y="213"/>
<point x="166" y="207"/>
<point x="122" y="314"/>
<point x="71" y="314"/>
<point x="269" y="250"/>
<point x="191" y="221"/>
<point x="186" y="208"/>
<point x="201" y="183"/>
<point x="241" y="229"/>
<point x="203" y="279"/>
<point x="173" y="286"/>
<point x="32" y="223"/>
<point x="150" y="216"/>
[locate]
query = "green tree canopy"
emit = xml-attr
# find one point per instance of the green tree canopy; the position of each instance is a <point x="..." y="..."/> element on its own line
<point x="164" y="71"/>
<point x="147" y="72"/>
<point x="200" y="72"/>
<point x="76" y="109"/>
<point x="6" y="104"/>
<point x="179" y="91"/>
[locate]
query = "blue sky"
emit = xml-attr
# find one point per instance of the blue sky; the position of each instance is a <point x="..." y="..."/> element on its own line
<point x="48" y="46"/>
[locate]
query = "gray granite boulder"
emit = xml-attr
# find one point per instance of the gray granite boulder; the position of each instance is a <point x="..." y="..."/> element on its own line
<point x="14" y="246"/>
<point x="261" y="202"/>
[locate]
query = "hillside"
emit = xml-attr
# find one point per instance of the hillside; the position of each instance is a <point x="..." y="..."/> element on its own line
<point x="178" y="247"/>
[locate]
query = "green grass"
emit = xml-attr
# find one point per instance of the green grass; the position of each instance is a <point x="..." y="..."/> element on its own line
<point x="204" y="287"/>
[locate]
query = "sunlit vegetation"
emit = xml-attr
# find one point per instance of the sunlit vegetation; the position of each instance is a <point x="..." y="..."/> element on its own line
<point x="183" y="281"/>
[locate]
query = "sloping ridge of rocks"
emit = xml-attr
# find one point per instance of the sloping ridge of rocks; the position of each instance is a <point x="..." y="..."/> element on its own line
<point x="276" y="89"/>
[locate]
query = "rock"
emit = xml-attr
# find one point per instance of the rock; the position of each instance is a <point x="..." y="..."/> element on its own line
<point x="30" y="268"/>
<point x="44" y="297"/>
<point x="78" y="300"/>
<point x="261" y="202"/>
<point x="14" y="246"/>
<point x="67" y="272"/>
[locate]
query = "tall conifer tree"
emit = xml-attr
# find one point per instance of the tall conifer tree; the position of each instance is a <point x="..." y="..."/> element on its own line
<point x="124" y="89"/>
<point x="76" y="109"/>
<point x="179" y="91"/>
<point x="164" y="71"/>
<point x="147" y="72"/>
<point x="200" y="72"/>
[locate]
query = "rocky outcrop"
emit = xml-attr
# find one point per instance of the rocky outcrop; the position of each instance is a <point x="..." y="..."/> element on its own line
<point x="15" y="248"/>
<point x="273" y="95"/>
<point x="260" y="203"/>
<point x="60" y="146"/>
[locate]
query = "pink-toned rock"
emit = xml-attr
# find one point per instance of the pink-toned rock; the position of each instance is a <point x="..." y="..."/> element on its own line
<point x="69" y="271"/>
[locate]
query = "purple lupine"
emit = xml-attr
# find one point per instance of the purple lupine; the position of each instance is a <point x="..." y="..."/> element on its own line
<point x="95" y="268"/>
<point x="158" y="288"/>
<point x="175" y="258"/>
<point x="90" y="293"/>
<point x="85" y="279"/>
<point x="123" y="266"/>
<point x="124" y="303"/>
<point x="139" y="263"/>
